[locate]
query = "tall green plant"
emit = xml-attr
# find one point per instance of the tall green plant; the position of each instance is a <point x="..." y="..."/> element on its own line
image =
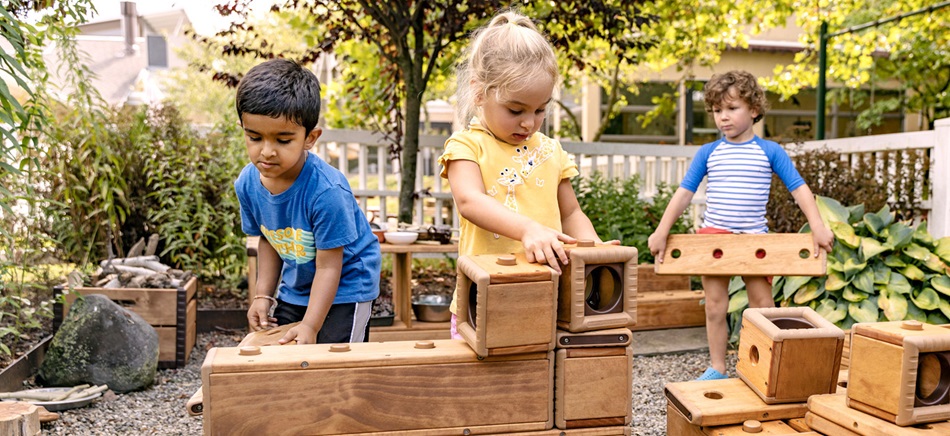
<point x="617" y="211"/>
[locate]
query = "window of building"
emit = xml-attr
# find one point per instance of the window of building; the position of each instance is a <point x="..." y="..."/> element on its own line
<point x="157" y="51"/>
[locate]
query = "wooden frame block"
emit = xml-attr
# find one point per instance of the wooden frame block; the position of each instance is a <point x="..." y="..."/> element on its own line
<point x="761" y="428"/>
<point x="593" y="382"/>
<point x="422" y="388"/>
<point x="833" y="408"/>
<point x="598" y="431"/>
<point x="508" y="307"/>
<point x="598" y="288"/>
<point x="172" y="312"/>
<point x="786" y="254"/>
<point x="724" y="402"/>
<point x="900" y="371"/>
<point x="787" y="354"/>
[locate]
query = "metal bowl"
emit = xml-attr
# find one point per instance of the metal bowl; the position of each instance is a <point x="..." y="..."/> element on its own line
<point x="432" y="308"/>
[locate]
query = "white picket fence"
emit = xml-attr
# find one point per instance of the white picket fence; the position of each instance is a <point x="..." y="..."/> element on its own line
<point x="365" y="156"/>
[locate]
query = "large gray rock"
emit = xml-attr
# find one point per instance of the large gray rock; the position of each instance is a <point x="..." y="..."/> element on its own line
<point x="99" y="343"/>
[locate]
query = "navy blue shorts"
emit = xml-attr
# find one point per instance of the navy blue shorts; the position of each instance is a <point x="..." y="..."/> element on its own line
<point x="345" y="322"/>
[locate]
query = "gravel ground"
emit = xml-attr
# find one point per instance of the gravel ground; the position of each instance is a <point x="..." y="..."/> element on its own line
<point x="160" y="410"/>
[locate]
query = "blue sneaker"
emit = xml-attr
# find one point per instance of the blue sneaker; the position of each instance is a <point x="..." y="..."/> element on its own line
<point x="712" y="374"/>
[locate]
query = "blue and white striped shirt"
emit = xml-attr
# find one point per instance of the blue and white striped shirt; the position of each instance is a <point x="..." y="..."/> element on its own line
<point x="738" y="180"/>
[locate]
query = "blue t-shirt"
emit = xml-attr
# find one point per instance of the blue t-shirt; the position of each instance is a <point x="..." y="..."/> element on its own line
<point x="317" y="212"/>
<point x="739" y="179"/>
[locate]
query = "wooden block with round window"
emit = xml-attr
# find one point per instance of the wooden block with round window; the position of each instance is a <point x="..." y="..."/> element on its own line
<point x="598" y="288"/>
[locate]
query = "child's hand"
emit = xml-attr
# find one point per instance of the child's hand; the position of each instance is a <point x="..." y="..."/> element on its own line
<point x="657" y="244"/>
<point x="302" y="333"/>
<point x="824" y="239"/>
<point x="258" y="315"/>
<point x="546" y="246"/>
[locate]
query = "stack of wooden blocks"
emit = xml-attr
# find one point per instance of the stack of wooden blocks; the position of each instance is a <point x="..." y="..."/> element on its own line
<point x="542" y="354"/>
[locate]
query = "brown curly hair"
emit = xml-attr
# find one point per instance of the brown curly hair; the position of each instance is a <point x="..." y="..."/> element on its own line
<point x="717" y="89"/>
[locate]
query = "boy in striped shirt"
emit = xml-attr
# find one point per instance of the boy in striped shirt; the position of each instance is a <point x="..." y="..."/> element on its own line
<point x="738" y="168"/>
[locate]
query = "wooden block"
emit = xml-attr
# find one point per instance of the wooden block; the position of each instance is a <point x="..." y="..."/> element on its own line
<point x="787" y="254"/>
<point x="598" y="288"/>
<point x="723" y="402"/>
<point x="772" y="428"/>
<point x="430" y="387"/>
<point x="670" y="309"/>
<point x="678" y="425"/>
<point x="787" y="354"/>
<point x="798" y="424"/>
<point x="827" y="427"/>
<point x="598" y="431"/>
<point x="593" y="385"/>
<point x="173" y="313"/>
<point x="620" y="337"/>
<point x="834" y="409"/>
<point x="900" y="371"/>
<point x="506" y="309"/>
<point x="648" y="281"/>
<point x="19" y="418"/>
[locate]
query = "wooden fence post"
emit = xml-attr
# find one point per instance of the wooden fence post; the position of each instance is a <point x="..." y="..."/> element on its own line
<point x="938" y="223"/>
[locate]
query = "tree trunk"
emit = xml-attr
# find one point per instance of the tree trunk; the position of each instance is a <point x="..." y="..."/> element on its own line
<point x="410" y="147"/>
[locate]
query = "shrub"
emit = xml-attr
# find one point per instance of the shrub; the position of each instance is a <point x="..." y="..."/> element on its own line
<point x="618" y="213"/>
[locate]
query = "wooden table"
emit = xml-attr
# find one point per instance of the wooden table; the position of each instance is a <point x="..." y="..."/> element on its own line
<point x="403" y="327"/>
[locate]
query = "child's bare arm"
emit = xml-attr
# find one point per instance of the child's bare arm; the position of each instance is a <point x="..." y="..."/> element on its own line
<point x="822" y="236"/>
<point x="574" y="221"/>
<point x="678" y="204"/>
<point x="326" y="281"/>
<point x="269" y="266"/>
<point x="541" y="244"/>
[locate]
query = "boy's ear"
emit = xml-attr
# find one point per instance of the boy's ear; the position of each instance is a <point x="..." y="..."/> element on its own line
<point x="312" y="137"/>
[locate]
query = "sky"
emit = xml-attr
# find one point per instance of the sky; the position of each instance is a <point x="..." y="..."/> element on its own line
<point x="201" y="12"/>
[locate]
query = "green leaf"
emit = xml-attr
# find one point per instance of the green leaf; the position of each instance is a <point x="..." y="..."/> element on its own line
<point x="934" y="264"/>
<point x="882" y="274"/>
<point x="835" y="281"/>
<point x="898" y="283"/>
<point x="736" y="284"/>
<point x="853" y="295"/>
<point x="915" y="313"/>
<point x="793" y="284"/>
<point x="865" y="311"/>
<point x="871" y="247"/>
<point x="917" y="252"/>
<point x="937" y="318"/>
<point x="912" y="272"/>
<point x="944" y="307"/>
<point x="894" y="261"/>
<point x="852" y="268"/>
<point x="927" y="299"/>
<point x="844" y="234"/>
<point x="894" y="306"/>
<point x="864" y="280"/>
<point x="832" y="311"/>
<point x="738" y="302"/>
<point x="941" y="284"/>
<point x="942" y="248"/>
<point x="808" y="293"/>
<point x="899" y="235"/>
<point x="922" y="235"/>
<point x="874" y="223"/>
<point x="831" y="210"/>
<point x="855" y="213"/>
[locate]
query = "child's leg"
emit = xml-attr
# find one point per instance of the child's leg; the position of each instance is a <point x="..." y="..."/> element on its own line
<point x="346" y="322"/>
<point x="759" y="290"/>
<point x="717" y="330"/>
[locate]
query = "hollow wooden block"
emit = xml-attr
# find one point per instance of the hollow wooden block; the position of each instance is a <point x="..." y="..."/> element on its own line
<point x="830" y="414"/>
<point x="506" y="309"/>
<point x="593" y="379"/>
<point x="598" y="288"/>
<point x="787" y="354"/>
<point x="787" y="254"/>
<point x="900" y="371"/>
<point x="595" y="431"/>
<point x="725" y="402"/>
<point x="759" y="428"/>
<point x="425" y="387"/>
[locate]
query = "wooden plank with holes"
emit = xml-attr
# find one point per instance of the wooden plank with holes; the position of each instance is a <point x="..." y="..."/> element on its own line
<point x="724" y="402"/>
<point x="787" y="254"/>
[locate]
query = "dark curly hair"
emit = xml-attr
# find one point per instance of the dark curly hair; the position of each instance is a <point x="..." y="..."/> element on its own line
<point x="717" y="89"/>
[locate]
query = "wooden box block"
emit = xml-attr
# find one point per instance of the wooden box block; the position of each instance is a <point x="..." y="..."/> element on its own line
<point x="787" y="254"/>
<point x="593" y="382"/>
<point x="506" y="305"/>
<point x="649" y="281"/>
<point x="425" y="387"/>
<point x="760" y="428"/>
<point x="830" y="414"/>
<point x="598" y="289"/>
<point x="598" y="431"/>
<point x="724" y="402"/>
<point x="900" y="371"/>
<point x="670" y="309"/>
<point x="173" y="313"/>
<point x="787" y="354"/>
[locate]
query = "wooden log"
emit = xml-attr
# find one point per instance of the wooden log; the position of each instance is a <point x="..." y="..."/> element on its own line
<point x="19" y="419"/>
<point x="137" y="248"/>
<point x="152" y="245"/>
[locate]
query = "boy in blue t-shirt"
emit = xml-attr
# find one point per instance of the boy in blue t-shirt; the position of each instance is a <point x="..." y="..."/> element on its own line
<point x="317" y="253"/>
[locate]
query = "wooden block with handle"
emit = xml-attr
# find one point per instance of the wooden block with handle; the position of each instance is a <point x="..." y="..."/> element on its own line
<point x="786" y="254"/>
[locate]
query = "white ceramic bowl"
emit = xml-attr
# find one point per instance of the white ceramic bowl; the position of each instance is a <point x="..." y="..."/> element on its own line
<point x="401" y="238"/>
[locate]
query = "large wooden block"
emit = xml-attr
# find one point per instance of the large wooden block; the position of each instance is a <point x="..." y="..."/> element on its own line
<point x="172" y="311"/>
<point x="724" y="402"/>
<point x="900" y="371"/>
<point x="830" y="414"/>
<point x="648" y="281"/>
<point x="677" y="425"/>
<point x="787" y="354"/>
<point x="670" y="309"/>
<point x="593" y="379"/>
<point x="786" y="254"/>
<point x="598" y="288"/>
<point x="505" y="304"/>
<point x="426" y="387"/>
<point x="598" y="431"/>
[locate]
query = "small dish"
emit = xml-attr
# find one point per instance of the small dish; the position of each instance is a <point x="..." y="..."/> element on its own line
<point x="56" y="406"/>
<point x="401" y="238"/>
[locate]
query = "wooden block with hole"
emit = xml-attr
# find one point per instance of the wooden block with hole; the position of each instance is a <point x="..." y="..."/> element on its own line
<point x="725" y="402"/>
<point x="506" y="305"/>
<point x="598" y="288"/>
<point x="786" y="254"/>
<point x="830" y="414"/>
<point x="677" y="425"/>
<point x="787" y="354"/>
<point x="425" y="387"/>
<point x="593" y="379"/>
<point x="900" y="371"/>
<point x="172" y="311"/>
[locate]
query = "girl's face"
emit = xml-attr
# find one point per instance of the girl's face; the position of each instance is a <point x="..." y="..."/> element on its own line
<point x="515" y="117"/>
<point x="734" y="118"/>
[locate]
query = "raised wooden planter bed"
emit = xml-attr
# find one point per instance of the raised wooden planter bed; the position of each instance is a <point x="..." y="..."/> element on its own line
<point x="666" y="301"/>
